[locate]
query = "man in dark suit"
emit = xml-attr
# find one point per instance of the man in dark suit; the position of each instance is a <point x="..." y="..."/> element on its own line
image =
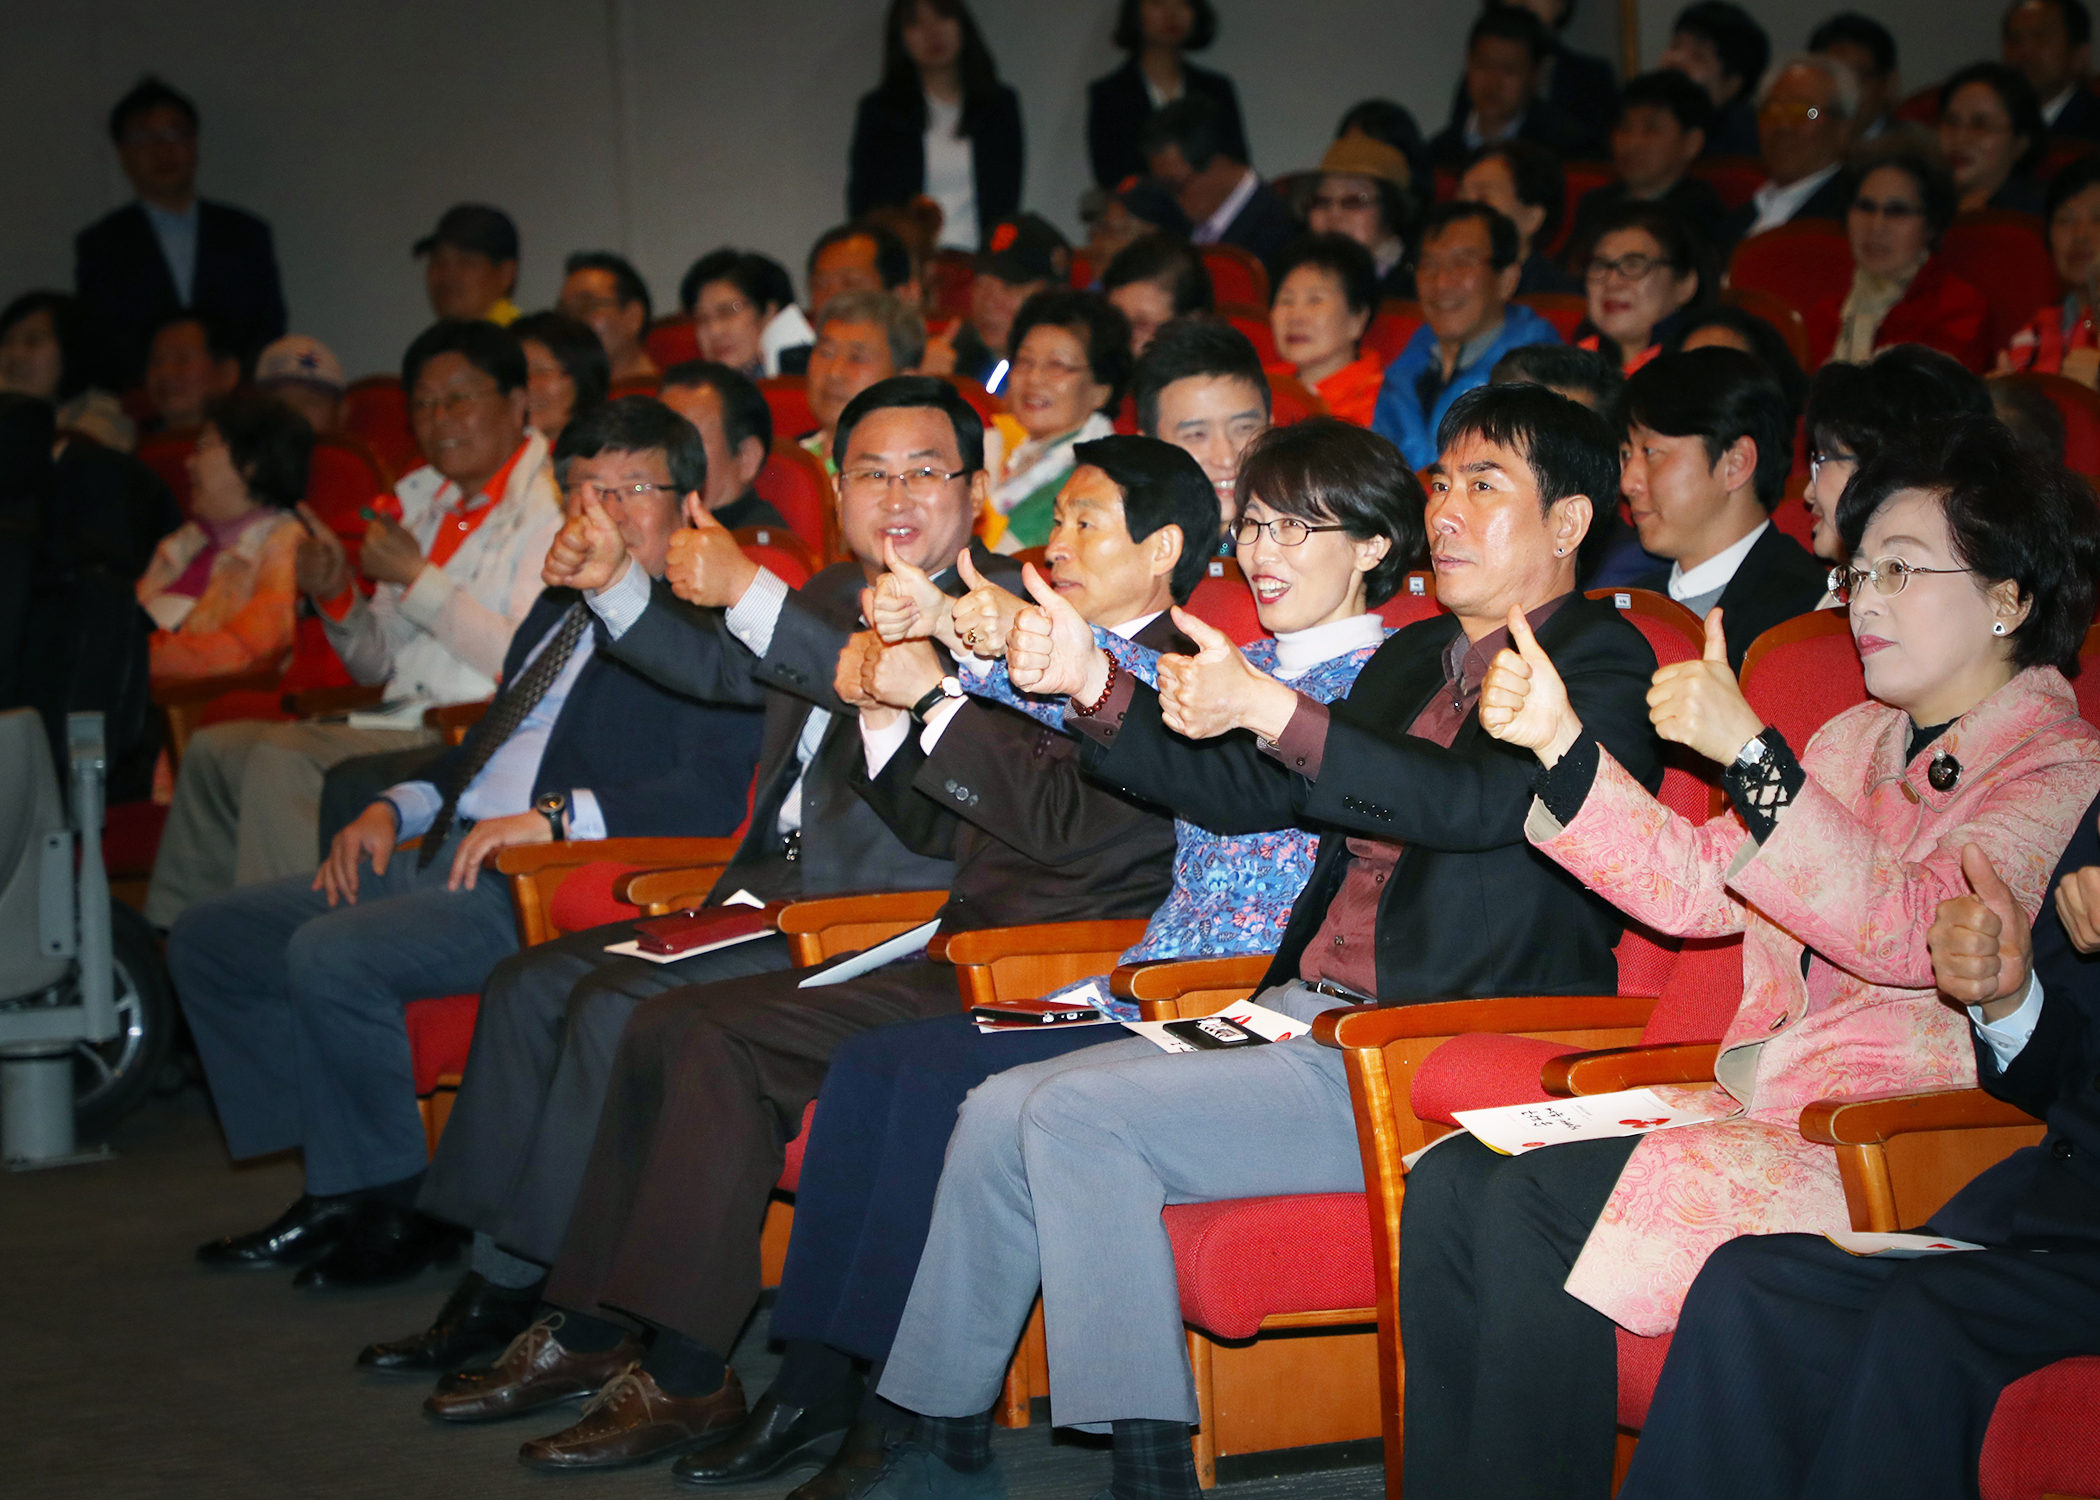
<point x="1424" y="888"/>
<point x="1119" y="103"/>
<point x="1804" y="124"/>
<point x="2050" y="42"/>
<point x="1709" y="440"/>
<point x="1661" y="130"/>
<point x="1224" y="199"/>
<point x="169" y="250"/>
<point x="514" y="1149"/>
<point x="1720" y="47"/>
<point x="294" y="988"/>
<point x="1798" y="1369"/>
<point x="666" y="1228"/>
<point x="1509" y="54"/>
<point x="1578" y="84"/>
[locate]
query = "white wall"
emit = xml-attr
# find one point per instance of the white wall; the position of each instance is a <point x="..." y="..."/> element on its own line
<point x="658" y="127"/>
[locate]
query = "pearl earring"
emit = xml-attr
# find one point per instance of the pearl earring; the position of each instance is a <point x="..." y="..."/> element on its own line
<point x="1997" y="627"/>
<point x="1557" y="551"/>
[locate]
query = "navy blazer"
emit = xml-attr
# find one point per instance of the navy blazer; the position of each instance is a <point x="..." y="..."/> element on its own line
<point x="660" y="763"/>
<point x="1830" y="201"/>
<point x="887" y="163"/>
<point x="1118" y="104"/>
<point x="126" y="289"/>
<point x="1777" y="579"/>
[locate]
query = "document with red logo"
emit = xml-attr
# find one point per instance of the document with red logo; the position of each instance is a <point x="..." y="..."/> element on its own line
<point x="1242" y="1025"/>
<point x="1514" y="1129"/>
<point x="1895" y="1246"/>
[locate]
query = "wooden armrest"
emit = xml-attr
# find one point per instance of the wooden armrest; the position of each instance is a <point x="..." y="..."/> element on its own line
<point x="1358" y="1026"/>
<point x="667" y="890"/>
<point x="316" y="702"/>
<point x="989" y="944"/>
<point x="1171" y="978"/>
<point x="1871" y="1122"/>
<point x="526" y="859"/>
<point x="825" y="926"/>
<point x="453" y="720"/>
<point x="203" y="689"/>
<point x="1617" y="1068"/>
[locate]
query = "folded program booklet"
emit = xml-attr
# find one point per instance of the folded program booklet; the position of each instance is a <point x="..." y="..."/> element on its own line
<point x="1895" y="1246"/>
<point x="1514" y="1129"/>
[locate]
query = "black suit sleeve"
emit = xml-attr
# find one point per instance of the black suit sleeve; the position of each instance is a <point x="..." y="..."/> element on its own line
<point x="919" y="824"/>
<point x="690" y="651"/>
<point x="2056" y="1058"/>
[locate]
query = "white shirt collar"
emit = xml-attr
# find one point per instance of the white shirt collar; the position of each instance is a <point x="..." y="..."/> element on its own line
<point x="1214" y="227"/>
<point x="2051" y="108"/>
<point x="1715" y="572"/>
<point x="1129" y="628"/>
<point x="1777" y="205"/>
<point x="1299" y="651"/>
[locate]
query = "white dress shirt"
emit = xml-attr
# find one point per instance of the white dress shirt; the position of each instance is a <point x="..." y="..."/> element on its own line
<point x="1212" y="229"/>
<point x="1699" y="588"/>
<point x="177" y="234"/>
<point x="1777" y="205"/>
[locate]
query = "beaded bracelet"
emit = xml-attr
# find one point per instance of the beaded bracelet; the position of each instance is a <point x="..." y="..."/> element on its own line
<point x="1114" y="671"/>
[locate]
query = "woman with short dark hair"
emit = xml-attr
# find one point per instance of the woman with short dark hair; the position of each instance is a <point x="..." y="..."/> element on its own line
<point x="1993" y="136"/>
<point x="1153" y="280"/>
<point x="1157" y="35"/>
<point x="1071" y="363"/>
<point x="1901" y="292"/>
<point x="1647" y="271"/>
<point x="1326" y="293"/>
<point x="2061" y="340"/>
<point x="43" y="354"/>
<point x="567" y="372"/>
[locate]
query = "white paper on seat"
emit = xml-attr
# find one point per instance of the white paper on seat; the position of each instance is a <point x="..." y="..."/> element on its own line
<point x="1514" y="1129"/>
<point x="903" y="945"/>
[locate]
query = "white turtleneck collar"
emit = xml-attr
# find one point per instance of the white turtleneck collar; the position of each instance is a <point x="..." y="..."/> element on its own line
<point x="1299" y="651"/>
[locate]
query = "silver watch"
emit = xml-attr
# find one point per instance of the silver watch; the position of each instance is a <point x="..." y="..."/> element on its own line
<point x="1754" y="753"/>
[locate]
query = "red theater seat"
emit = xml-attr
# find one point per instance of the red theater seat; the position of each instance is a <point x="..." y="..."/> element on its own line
<point x="2006" y="257"/>
<point x="794" y="483"/>
<point x="1564" y="310"/>
<point x="788" y="396"/>
<point x="2079" y="406"/>
<point x="672" y="340"/>
<point x="1802" y="263"/>
<point x="376" y="409"/>
<point x="1236" y="275"/>
<point x="1390" y="331"/>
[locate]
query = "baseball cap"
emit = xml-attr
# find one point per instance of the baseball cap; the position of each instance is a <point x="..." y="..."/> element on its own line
<point x="297" y="357"/>
<point x="476" y="227"/>
<point x="1025" y="248"/>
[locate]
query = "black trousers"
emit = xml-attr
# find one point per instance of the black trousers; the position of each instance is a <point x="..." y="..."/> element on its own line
<point x="1800" y="1370"/>
<point x="1512" y="1384"/>
<point x="514" y="1150"/>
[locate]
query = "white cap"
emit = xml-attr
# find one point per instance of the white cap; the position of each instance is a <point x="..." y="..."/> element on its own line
<point x="297" y="357"/>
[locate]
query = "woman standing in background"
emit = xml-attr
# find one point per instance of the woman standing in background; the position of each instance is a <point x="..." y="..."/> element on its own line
<point x="1156" y="34"/>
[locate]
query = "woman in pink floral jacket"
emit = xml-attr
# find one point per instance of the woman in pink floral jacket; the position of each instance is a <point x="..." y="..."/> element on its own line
<point x="1971" y="587"/>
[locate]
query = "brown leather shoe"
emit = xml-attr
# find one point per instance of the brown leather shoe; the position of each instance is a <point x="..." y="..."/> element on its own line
<point x="633" y="1421"/>
<point x="535" y="1371"/>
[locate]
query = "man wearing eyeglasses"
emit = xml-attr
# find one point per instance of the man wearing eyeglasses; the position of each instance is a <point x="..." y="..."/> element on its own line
<point x="1804" y="123"/>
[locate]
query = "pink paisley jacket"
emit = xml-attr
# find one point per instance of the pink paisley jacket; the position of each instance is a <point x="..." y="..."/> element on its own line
<point x="1854" y="872"/>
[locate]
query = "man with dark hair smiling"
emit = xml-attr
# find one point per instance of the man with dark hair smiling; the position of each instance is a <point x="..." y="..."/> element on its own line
<point x="1199" y="385"/>
<point x="859" y="257"/>
<point x="736" y="426"/>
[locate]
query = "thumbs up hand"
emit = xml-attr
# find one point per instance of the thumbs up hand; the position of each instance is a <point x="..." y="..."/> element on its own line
<point x="907" y="605"/>
<point x="1698" y="704"/>
<point x="1982" y="948"/>
<point x="588" y="552"/>
<point x="983" y="618"/>
<point x="1050" y="649"/>
<point x="1523" y="700"/>
<point x="1217" y="690"/>
<point x="706" y="566"/>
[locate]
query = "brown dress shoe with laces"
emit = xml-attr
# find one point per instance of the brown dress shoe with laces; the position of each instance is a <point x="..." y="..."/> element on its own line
<point x="534" y="1372"/>
<point x="633" y="1421"/>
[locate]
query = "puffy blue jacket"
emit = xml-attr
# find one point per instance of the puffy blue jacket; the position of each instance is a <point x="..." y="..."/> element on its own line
<point x="1399" y="415"/>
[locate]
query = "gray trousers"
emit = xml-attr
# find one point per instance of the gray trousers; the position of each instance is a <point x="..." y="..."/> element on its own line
<point x="247" y="803"/>
<point x="1056" y="1175"/>
<point x="513" y="1154"/>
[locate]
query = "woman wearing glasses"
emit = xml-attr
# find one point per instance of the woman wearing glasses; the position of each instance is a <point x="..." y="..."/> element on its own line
<point x="1991" y="133"/>
<point x="1071" y="363"/>
<point x="1970" y="591"/>
<point x="1364" y="189"/>
<point x="1901" y="293"/>
<point x="1647" y="272"/>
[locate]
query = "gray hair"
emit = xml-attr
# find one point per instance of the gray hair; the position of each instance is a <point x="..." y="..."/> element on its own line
<point x="905" y="328"/>
<point x="1844" y="83"/>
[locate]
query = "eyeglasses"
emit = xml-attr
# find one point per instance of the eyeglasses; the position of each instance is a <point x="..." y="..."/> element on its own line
<point x="1635" y="267"/>
<point x="1790" y="112"/>
<point x="1888" y="577"/>
<point x="589" y="489"/>
<point x="452" y="403"/>
<point x="919" y="484"/>
<point x="1817" y="460"/>
<point x="1894" y="209"/>
<point x="1354" y="201"/>
<point x="1285" y="531"/>
<point x="1055" y="369"/>
<point x="721" y="312"/>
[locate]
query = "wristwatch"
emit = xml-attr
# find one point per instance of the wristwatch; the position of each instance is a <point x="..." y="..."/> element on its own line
<point x="946" y="688"/>
<point x="554" y="807"/>
<point x="1754" y="752"/>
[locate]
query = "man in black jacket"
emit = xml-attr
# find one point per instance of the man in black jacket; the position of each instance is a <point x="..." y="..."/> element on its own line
<point x="1224" y="199"/>
<point x="1799" y="1369"/>
<point x="1510" y="61"/>
<point x="294" y="988"/>
<point x="1424" y="889"/>
<point x="170" y="249"/>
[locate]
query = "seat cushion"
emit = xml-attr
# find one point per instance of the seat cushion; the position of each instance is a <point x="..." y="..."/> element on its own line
<point x="440" y="1031"/>
<point x="1244" y="1259"/>
<point x="1481" y="1071"/>
<point x="2044" y="1437"/>
<point x="1640" y="1366"/>
<point x="791" y="1169"/>
<point x="584" y="899"/>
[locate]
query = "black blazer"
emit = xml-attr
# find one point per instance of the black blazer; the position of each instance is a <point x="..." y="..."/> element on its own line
<point x="1778" y="579"/>
<point x="1829" y="201"/>
<point x="125" y="287"/>
<point x="887" y="163"/>
<point x="1692" y="199"/>
<point x="1471" y="909"/>
<point x="1545" y="124"/>
<point x="1032" y="837"/>
<point x="2080" y="118"/>
<point x="1118" y="104"/>
<point x="1735" y="130"/>
<point x="1263" y="226"/>
<point x="1583" y="86"/>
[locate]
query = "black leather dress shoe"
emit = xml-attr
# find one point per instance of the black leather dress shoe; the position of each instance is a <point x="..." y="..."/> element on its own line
<point x="301" y="1232"/>
<point x="477" y="1319"/>
<point x="853" y="1470"/>
<point x="774" y="1437"/>
<point x="387" y="1242"/>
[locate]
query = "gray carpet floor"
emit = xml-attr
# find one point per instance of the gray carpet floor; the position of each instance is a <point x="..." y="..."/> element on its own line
<point x="128" y="1370"/>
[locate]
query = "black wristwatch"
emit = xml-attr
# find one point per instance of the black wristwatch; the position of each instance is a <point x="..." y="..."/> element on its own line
<point x="947" y="687"/>
<point x="554" y="807"/>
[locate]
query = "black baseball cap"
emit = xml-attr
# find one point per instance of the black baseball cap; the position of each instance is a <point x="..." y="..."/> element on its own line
<point x="476" y="227"/>
<point x="1025" y="248"/>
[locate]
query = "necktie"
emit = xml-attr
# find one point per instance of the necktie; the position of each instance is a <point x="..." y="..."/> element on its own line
<point x="516" y="700"/>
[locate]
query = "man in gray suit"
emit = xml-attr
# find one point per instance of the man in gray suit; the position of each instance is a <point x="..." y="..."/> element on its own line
<point x="719" y="628"/>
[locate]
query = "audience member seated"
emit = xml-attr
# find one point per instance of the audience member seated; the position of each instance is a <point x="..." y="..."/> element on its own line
<point x="1117" y="220"/>
<point x="1365" y="189"/>
<point x="1524" y="183"/>
<point x="1990" y="133"/>
<point x="860" y="257"/>
<point x="223" y="587"/>
<point x="1647" y="272"/>
<point x="454" y="552"/>
<point x="1224" y="200"/>
<point x="1709" y="440"/>
<point x="1022" y="256"/>
<point x="1467" y="273"/>
<point x="43" y="354"/>
<point x="1829" y="878"/>
<point x="1901" y="292"/>
<point x="169" y="250"/>
<point x="305" y="375"/>
<point x="1157" y="35"/>
<point x="1199" y="385"/>
<point x="939" y="124"/>
<point x="1071" y="362"/>
<point x="294" y="988"/>
<point x="1154" y="279"/>
<point x="1579" y="85"/>
<point x="1725" y="327"/>
<point x="2050" y="43"/>
<point x="92" y="507"/>
<point x="862" y="337"/>
<point x="1110" y="1133"/>
<point x="1384" y="121"/>
<point x="1509" y="53"/>
<point x="1613" y="552"/>
<point x="744" y="313"/>
<point x="567" y="372"/>
<point x="2060" y="340"/>
<point x="605" y="293"/>
<point x="2030" y="416"/>
<point x="470" y="265"/>
<point x="890" y="1096"/>
<point x="1804" y="122"/>
<point x="1868" y="48"/>
<point x="1326" y="295"/>
<point x="736" y="429"/>
<point x="1720" y="47"/>
<point x="513" y="1153"/>
<point x="190" y="363"/>
<point x="1663" y="120"/>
